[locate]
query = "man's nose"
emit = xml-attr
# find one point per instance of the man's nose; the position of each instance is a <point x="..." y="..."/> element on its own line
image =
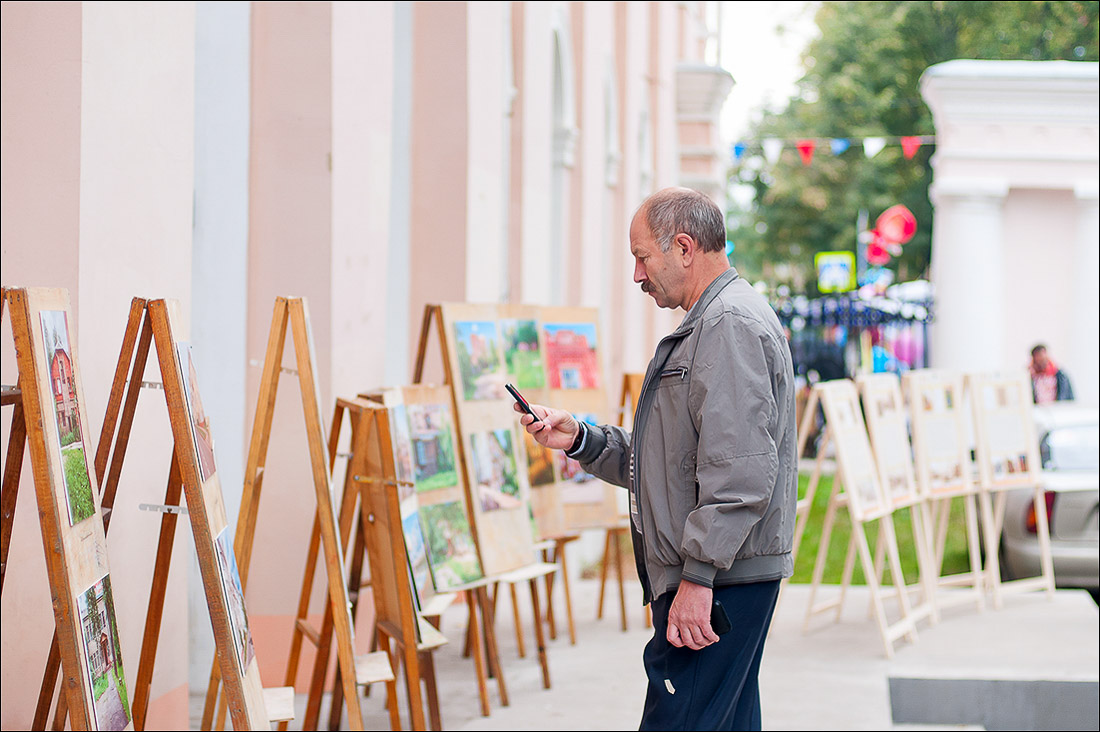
<point x="639" y="272"/>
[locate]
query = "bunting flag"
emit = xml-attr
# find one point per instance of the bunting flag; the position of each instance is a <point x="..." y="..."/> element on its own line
<point x="806" y="150"/>
<point x="772" y="146"/>
<point x="839" y="145"/>
<point x="909" y="146"/>
<point x="872" y="146"/>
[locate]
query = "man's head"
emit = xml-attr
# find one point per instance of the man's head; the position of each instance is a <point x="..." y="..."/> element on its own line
<point x="678" y="239"/>
<point x="1039" y="358"/>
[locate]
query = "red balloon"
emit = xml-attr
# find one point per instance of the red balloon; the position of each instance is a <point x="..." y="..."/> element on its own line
<point x="876" y="251"/>
<point x="897" y="224"/>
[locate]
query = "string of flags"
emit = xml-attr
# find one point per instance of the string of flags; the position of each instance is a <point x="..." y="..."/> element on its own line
<point x="772" y="147"/>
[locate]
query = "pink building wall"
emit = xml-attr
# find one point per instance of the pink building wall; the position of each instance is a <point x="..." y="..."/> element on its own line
<point x="98" y="184"/>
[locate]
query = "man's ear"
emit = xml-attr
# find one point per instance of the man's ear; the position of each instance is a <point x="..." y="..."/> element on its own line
<point x="685" y="246"/>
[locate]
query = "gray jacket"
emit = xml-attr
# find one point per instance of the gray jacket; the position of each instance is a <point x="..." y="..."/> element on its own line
<point x="711" y="461"/>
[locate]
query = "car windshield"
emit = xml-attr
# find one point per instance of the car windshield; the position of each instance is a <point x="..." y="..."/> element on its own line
<point x="1072" y="448"/>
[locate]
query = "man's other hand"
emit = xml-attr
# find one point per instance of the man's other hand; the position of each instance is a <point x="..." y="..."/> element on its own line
<point x="689" y="617"/>
<point x="555" y="428"/>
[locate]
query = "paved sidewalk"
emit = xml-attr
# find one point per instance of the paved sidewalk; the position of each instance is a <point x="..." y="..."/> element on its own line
<point x="834" y="677"/>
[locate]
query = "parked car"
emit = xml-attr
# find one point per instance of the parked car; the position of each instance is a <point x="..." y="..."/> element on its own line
<point x="1069" y="443"/>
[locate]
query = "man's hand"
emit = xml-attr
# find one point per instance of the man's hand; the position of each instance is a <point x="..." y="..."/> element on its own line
<point x="555" y="428"/>
<point x="689" y="617"/>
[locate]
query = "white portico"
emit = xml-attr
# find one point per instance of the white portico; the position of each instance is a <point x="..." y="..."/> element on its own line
<point x="1015" y="237"/>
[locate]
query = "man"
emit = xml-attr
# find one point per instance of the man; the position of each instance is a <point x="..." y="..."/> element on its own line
<point x="710" y="466"/>
<point x="1048" y="382"/>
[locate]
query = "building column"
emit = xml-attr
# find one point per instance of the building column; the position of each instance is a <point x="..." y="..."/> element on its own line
<point x="967" y="272"/>
<point x="1082" y="366"/>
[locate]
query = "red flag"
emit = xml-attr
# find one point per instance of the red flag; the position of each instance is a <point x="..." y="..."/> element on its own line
<point x="909" y="146"/>
<point x="806" y="150"/>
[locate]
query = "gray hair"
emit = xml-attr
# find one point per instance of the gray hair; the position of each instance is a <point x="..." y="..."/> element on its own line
<point x="673" y="211"/>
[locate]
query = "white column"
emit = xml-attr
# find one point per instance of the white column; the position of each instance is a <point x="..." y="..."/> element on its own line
<point x="966" y="268"/>
<point x="219" y="266"/>
<point x="1082" y="365"/>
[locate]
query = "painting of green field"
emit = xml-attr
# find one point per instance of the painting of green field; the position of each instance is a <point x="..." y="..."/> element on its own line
<point x="66" y="411"/>
<point x="522" y="356"/>
<point x="452" y="554"/>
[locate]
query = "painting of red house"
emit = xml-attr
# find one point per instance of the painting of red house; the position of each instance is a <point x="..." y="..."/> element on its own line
<point x="571" y="357"/>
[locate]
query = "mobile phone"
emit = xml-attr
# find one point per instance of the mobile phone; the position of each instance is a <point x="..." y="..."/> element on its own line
<point x="719" y="621"/>
<point x="521" y="401"/>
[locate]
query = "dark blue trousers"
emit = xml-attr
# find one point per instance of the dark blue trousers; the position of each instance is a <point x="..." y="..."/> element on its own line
<point x="715" y="688"/>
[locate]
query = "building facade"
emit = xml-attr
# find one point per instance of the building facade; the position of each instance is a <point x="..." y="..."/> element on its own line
<point x="374" y="157"/>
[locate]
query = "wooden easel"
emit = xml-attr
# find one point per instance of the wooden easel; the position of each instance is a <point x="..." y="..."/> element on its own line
<point x="294" y="313"/>
<point x="395" y="616"/>
<point x="154" y="320"/>
<point x="75" y="546"/>
<point x="943" y="473"/>
<point x="864" y="501"/>
<point x="612" y="547"/>
<point x="1007" y="451"/>
<point x="884" y="412"/>
<point x="523" y="569"/>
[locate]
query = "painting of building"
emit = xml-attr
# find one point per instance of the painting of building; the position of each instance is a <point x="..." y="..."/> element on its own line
<point x="571" y="357"/>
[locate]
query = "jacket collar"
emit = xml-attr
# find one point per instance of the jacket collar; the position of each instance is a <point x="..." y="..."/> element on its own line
<point x="706" y="299"/>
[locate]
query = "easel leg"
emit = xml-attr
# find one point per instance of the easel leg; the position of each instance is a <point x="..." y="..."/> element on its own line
<point x="924" y="561"/>
<point x="992" y="570"/>
<point x="550" y="623"/>
<point x="475" y="648"/>
<point x="974" y="548"/>
<point x="13" y="467"/>
<point x="618" y="549"/>
<point x="488" y="617"/>
<point x="515" y="617"/>
<point x="427" y="672"/>
<point x="568" y="597"/>
<point x="886" y="527"/>
<point x="1046" y="561"/>
<point x="872" y="583"/>
<point x="846" y="576"/>
<point x="155" y="612"/>
<point x="538" y="634"/>
<point x="603" y="572"/>
<point x="822" y="551"/>
<point x="49" y="683"/>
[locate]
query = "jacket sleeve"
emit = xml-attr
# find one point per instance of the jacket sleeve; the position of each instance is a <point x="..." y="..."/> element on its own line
<point x="732" y="398"/>
<point x="606" y="454"/>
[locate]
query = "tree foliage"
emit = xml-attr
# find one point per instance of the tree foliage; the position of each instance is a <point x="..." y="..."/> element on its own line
<point x="862" y="79"/>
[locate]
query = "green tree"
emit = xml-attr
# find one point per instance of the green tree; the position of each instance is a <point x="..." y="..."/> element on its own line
<point x="862" y="79"/>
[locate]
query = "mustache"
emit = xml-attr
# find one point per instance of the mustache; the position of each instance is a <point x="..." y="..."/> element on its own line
<point x="647" y="287"/>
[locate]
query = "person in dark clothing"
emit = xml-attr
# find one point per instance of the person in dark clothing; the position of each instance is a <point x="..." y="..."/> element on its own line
<point x="1048" y="382"/>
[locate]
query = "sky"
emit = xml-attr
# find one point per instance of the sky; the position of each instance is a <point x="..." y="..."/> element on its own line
<point x="764" y="62"/>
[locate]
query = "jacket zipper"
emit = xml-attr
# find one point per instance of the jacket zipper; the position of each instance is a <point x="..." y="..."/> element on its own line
<point x="635" y="472"/>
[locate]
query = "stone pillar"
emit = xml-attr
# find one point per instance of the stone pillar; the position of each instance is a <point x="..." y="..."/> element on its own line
<point x="967" y="271"/>
<point x="1081" y="362"/>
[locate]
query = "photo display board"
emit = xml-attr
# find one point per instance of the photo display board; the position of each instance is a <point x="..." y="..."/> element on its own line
<point x="940" y="451"/>
<point x="1006" y="446"/>
<point x="62" y="449"/>
<point x="888" y="428"/>
<point x="206" y="509"/>
<point x="855" y="461"/>
<point x="520" y="489"/>
<point x="435" y="514"/>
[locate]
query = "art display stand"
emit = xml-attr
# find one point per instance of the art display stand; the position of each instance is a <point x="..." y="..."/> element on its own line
<point x="886" y="420"/>
<point x="1007" y="452"/>
<point x="69" y="563"/>
<point x="503" y="537"/>
<point x="943" y="473"/>
<point x="856" y="490"/>
<point x="617" y="531"/>
<point x="370" y="504"/>
<point x="293" y="313"/>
